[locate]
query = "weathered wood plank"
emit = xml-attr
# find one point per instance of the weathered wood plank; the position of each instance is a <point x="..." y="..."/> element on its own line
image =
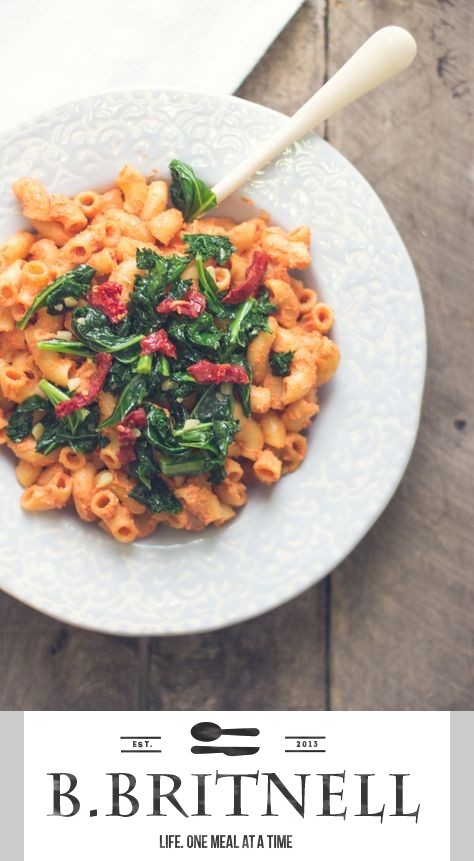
<point x="277" y="661"/>
<point x="274" y="662"/>
<point x="46" y="665"/>
<point x="403" y="604"/>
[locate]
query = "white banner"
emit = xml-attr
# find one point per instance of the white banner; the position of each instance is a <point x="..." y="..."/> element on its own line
<point x="180" y="785"/>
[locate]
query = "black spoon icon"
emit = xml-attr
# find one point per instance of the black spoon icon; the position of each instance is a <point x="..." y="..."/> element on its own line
<point x="206" y="731"/>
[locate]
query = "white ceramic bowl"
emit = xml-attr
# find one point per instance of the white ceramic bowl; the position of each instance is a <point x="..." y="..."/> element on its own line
<point x="287" y="537"/>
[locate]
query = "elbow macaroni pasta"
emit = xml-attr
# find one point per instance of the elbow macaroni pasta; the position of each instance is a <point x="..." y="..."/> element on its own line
<point x="105" y="230"/>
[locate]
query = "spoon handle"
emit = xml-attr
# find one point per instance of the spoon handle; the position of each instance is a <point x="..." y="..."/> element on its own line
<point x="386" y="53"/>
<point x="251" y="731"/>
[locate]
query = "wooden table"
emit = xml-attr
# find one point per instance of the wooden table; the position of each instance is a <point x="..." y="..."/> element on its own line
<point x="392" y="627"/>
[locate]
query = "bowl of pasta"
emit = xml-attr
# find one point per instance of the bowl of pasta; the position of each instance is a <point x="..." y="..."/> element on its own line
<point x="202" y="410"/>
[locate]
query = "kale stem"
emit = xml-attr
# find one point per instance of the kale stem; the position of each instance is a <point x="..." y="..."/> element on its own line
<point x="57" y="396"/>
<point x="201" y="426"/>
<point x="144" y="364"/>
<point x="128" y="342"/>
<point x="208" y="286"/>
<point x="56" y="345"/>
<point x="189" y="467"/>
<point x="54" y="395"/>
<point x="164" y="366"/>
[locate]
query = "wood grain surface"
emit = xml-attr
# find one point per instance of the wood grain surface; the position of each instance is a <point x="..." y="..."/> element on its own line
<point x="392" y="627"/>
<point x="402" y="607"/>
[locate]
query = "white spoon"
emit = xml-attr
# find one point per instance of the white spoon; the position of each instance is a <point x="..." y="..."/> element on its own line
<point x="386" y="53"/>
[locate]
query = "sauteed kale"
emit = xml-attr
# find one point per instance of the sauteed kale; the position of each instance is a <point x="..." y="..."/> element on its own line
<point x="280" y="363"/>
<point x="174" y="358"/>
<point x="188" y="193"/>
<point x="73" y="285"/>
<point x="157" y="380"/>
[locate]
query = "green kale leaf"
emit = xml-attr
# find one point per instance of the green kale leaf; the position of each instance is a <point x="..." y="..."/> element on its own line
<point x="209" y="288"/>
<point x="144" y="466"/>
<point x="207" y="246"/>
<point x="159" y="271"/>
<point x="183" y="384"/>
<point x="201" y="332"/>
<point x="21" y="422"/>
<point x="157" y="496"/>
<point x="213" y="406"/>
<point x="188" y="193"/>
<point x="73" y="284"/>
<point x="180" y="287"/>
<point x="131" y="397"/>
<point x="94" y="329"/>
<point x="196" y="447"/>
<point x="242" y="389"/>
<point x="159" y="431"/>
<point x="150" y="489"/>
<point x="248" y="319"/>
<point x="57" y="433"/>
<point x="280" y="363"/>
<point x="119" y="375"/>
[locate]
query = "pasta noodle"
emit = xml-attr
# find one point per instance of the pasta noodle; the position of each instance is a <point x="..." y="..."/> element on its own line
<point x="121" y="525"/>
<point x="34" y="198"/>
<point x="165" y="225"/>
<point x="134" y="189"/>
<point x="267" y="467"/>
<point x="26" y="473"/>
<point x="10" y="280"/>
<point x="156" y="199"/>
<point x="83" y="490"/>
<point x="51" y="230"/>
<point x="67" y="212"/>
<point x="89" y="202"/>
<point x="273" y="429"/>
<point x="259" y="351"/>
<point x="16" y="248"/>
<point x="294" y="451"/>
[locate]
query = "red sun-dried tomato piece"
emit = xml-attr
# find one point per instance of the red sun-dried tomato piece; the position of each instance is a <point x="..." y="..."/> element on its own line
<point x="192" y="305"/>
<point x="136" y="419"/>
<point x="103" y="362"/>
<point x="126" y="442"/>
<point x="210" y="372"/>
<point x="253" y="277"/>
<point x="127" y="435"/>
<point x="105" y="297"/>
<point x="158" y="342"/>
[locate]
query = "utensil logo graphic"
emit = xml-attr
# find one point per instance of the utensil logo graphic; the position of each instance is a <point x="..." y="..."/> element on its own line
<point x="208" y="732"/>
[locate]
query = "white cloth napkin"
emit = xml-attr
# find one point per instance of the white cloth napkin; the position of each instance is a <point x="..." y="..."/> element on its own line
<point x="54" y="51"/>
